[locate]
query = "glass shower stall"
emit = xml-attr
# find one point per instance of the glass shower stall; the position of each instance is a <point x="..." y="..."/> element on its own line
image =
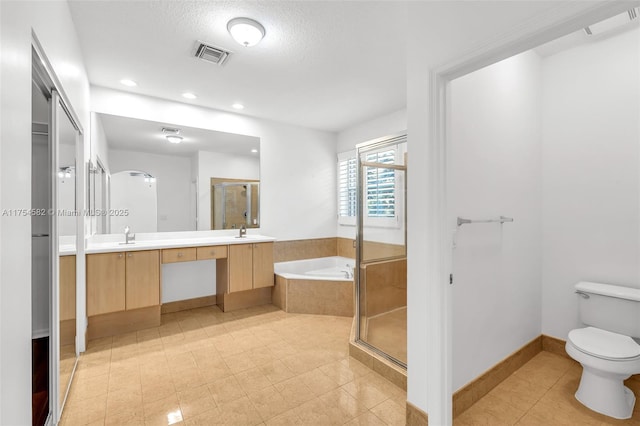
<point x="381" y="253"/>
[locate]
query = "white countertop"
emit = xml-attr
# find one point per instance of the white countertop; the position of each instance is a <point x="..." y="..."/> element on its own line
<point x="66" y="249"/>
<point x="154" y="244"/>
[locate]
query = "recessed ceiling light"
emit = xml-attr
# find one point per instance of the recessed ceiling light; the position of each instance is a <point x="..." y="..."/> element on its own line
<point x="174" y="139"/>
<point x="238" y="106"/>
<point x="189" y="95"/>
<point x="254" y="150"/>
<point x="245" y="31"/>
<point x="129" y="83"/>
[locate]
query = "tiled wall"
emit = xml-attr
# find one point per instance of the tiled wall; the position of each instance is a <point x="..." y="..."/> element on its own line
<point x="385" y="286"/>
<point x="284" y="251"/>
<point x="346" y="248"/>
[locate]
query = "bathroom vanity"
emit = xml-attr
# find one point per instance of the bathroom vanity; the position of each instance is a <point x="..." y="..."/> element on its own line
<point x="124" y="281"/>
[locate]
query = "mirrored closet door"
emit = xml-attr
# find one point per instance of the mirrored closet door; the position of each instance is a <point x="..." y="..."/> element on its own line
<point x="56" y="219"/>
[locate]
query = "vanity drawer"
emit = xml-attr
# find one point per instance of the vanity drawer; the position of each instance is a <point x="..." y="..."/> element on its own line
<point x="186" y="254"/>
<point x="212" y="252"/>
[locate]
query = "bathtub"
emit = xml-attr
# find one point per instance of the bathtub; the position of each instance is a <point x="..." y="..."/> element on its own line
<point x="334" y="268"/>
<point x="322" y="286"/>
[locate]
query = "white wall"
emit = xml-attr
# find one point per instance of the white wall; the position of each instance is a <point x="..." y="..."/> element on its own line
<point x="99" y="143"/>
<point x="40" y="247"/>
<point x="137" y="199"/>
<point x="297" y="165"/>
<point x="173" y="183"/>
<point x="591" y="104"/>
<point x="388" y="124"/>
<point x="219" y="165"/>
<point x="67" y="190"/>
<point x="495" y="170"/>
<point x="52" y="24"/>
<point x="442" y="34"/>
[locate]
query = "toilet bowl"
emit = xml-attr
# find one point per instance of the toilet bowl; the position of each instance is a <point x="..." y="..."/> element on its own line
<point x="607" y="359"/>
<point x="608" y="348"/>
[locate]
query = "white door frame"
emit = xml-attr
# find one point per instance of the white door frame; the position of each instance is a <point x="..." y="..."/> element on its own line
<point x="534" y="33"/>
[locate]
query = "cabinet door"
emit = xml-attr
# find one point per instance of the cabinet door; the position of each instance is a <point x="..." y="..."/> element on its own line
<point x="67" y="288"/>
<point x="143" y="279"/>
<point x="105" y="283"/>
<point x="240" y="267"/>
<point x="263" y="265"/>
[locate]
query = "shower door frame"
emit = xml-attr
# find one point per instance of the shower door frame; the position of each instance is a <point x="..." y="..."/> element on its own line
<point x="438" y="222"/>
<point x="372" y="146"/>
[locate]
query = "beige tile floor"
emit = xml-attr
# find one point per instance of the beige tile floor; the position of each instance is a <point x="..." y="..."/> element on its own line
<point x="257" y="366"/>
<point x="541" y="393"/>
<point x="388" y="332"/>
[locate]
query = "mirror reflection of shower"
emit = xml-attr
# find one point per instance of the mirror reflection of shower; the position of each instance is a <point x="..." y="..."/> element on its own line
<point x="134" y="201"/>
<point x="234" y="203"/>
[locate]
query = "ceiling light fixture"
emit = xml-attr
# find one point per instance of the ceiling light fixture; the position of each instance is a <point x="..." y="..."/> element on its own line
<point x="245" y="31"/>
<point x="174" y="139"/>
<point x="189" y="95"/>
<point x="128" y="82"/>
<point x="254" y="150"/>
<point x="237" y="106"/>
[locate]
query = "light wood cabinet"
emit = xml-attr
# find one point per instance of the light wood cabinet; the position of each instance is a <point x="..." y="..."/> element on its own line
<point x="186" y="254"/>
<point x="211" y="252"/>
<point x="122" y="281"/>
<point x="250" y="266"/>
<point x="240" y="267"/>
<point x="67" y="288"/>
<point x="263" y="265"/>
<point x="142" y="279"/>
<point x="105" y="283"/>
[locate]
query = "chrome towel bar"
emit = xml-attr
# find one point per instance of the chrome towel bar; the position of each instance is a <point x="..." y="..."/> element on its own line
<point x="501" y="219"/>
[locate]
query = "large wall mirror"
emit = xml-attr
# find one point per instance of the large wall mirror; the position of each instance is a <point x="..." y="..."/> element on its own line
<point x="139" y="178"/>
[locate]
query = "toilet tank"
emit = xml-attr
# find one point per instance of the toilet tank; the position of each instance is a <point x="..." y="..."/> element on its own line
<point x="610" y="307"/>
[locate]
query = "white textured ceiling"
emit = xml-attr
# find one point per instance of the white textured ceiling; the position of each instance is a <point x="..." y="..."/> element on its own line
<point x="326" y="65"/>
<point x="131" y="134"/>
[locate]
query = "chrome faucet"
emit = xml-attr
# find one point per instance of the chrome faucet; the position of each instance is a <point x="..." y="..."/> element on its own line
<point x="242" y="231"/>
<point x="128" y="236"/>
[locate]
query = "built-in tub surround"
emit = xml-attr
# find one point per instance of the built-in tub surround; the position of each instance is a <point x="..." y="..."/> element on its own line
<point x="322" y="286"/>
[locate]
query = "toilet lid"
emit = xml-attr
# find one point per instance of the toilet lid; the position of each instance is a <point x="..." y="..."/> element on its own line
<point x="604" y="344"/>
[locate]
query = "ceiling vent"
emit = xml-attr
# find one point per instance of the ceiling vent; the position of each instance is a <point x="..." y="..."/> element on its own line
<point x="170" y="131"/>
<point x="210" y="53"/>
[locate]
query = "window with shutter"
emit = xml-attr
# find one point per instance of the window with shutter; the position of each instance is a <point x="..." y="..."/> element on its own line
<point x="380" y="188"/>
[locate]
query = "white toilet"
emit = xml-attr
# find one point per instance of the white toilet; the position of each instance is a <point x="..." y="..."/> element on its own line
<point x="609" y="349"/>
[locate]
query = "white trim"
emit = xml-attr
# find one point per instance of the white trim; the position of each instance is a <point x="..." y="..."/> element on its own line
<point x="54" y="270"/>
<point x="556" y="23"/>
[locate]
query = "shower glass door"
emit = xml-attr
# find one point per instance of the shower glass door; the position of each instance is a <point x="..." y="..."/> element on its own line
<point x="381" y="285"/>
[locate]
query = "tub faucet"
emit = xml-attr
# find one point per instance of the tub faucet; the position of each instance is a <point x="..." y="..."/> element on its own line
<point x="128" y="236"/>
<point x="242" y="231"/>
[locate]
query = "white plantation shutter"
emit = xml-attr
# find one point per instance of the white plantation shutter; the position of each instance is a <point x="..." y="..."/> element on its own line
<point x="347" y="186"/>
<point x="380" y="185"/>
